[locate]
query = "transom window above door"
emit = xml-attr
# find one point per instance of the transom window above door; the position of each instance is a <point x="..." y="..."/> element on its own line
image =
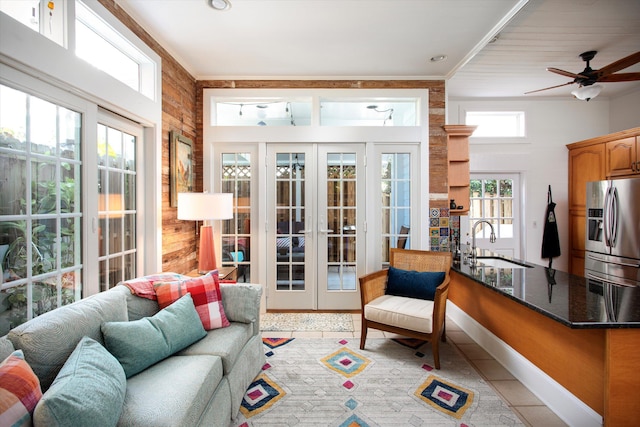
<point x="296" y="111"/>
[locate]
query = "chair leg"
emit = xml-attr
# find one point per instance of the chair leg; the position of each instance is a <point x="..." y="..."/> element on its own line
<point x="436" y="353"/>
<point x="444" y="331"/>
<point x="363" y="333"/>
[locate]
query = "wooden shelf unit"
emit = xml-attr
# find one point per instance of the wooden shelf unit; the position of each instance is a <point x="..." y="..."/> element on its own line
<point x="458" y="168"/>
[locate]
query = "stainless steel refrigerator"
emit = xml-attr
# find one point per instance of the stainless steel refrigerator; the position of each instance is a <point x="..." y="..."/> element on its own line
<point x="612" y="258"/>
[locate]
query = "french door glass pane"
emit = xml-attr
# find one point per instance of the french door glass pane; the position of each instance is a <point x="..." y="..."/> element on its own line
<point x="117" y="215"/>
<point x="236" y="232"/>
<point x="40" y="214"/>
<point x="341" y="172"/>
<point x="396" y="201"/>
<point x="290" y="202"/>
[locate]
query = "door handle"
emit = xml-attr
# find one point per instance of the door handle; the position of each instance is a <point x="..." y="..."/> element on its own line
<point x="325" y="231"/>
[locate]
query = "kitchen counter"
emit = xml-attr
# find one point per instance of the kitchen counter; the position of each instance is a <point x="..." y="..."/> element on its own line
<point x="562" y="324"/>
<point x="570" y="300"/>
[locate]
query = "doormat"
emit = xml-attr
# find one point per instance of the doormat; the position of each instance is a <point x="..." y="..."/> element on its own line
<point x="329" y="322"/>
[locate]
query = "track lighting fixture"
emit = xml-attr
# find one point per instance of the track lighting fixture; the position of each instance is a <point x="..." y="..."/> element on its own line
<point x="388" y="110"/>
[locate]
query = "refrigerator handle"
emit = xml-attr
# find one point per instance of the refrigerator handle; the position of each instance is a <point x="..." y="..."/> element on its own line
<point x="614" y="216"/>
<point x="605" y="217"/>
<point x="624" y="264"/>
<point x="609" y="281"/>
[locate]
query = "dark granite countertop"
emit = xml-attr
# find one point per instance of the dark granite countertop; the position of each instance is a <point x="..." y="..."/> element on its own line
<point x="571" y="300"/>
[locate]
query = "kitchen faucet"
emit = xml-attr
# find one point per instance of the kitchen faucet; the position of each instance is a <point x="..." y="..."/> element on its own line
<point x="492" y="239"/>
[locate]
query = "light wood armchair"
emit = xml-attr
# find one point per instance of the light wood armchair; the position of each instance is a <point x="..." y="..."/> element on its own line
<point x="427" y="318"/>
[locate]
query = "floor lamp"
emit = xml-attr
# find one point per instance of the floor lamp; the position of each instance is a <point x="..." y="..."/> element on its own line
<point x="204" y="207"/>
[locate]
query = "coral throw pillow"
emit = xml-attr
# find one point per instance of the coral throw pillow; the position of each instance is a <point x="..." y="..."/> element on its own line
<point x="19" y="391"/>
<point x="205" y="292"/>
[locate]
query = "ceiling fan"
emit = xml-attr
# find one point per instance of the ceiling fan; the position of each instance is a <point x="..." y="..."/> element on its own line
<point x="588" y="78"/>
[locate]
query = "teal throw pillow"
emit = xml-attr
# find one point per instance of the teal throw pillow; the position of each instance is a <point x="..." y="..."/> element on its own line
<point x="141" y="343"/>
<point x="89" y="390"/>
<point x="413" y="284"/>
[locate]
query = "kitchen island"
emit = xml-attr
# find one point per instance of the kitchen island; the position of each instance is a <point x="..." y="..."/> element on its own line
<point x="584" y="335"/>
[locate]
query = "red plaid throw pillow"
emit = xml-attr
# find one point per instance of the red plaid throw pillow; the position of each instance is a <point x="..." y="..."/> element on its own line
<point x="19" y="390"/>
<point x="205" y="292"/>
<point x="143" y="286"/>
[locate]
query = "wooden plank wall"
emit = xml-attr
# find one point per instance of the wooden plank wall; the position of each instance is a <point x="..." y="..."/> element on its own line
<point x="178" y="114"/>
<point x="182" y="110"/>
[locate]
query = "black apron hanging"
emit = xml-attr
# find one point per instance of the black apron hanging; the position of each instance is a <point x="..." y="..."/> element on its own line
<point x="550" y="239"/>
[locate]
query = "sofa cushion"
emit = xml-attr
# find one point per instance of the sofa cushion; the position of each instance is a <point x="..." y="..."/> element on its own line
<point x="173" y="392"/>
<point x="6" y="347"/>
<point x="137" y="307"/>
<point x="141" y="343"/>
<point x="408" y="313"/>
<point x="49" y="339"/>
<point x="413" y="284"/>
<point x="204" y="290"/>
<point x="226" y="343"/>
<point x="19" y="390"/>
<point x="241" y="302"/>
<point x="89" y="390"/>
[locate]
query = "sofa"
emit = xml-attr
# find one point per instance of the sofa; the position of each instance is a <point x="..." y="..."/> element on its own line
<point x="191" y="384"/>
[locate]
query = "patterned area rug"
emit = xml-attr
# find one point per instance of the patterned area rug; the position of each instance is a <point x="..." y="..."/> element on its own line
<point x="331" y="382"/>
<point x="335" y="322"/>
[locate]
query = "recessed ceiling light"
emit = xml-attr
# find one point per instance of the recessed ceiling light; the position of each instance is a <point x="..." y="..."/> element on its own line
<point x="220" y="4"/>
<point x="438" y="58"/>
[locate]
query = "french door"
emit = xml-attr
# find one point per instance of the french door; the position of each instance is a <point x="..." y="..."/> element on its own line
<point x="316" y="224"/>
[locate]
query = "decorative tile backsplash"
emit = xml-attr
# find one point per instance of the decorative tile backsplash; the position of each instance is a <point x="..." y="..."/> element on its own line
<point x="439" y="232"/>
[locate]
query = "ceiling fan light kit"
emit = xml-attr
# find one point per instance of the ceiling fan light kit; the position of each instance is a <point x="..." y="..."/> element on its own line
<point x="587" y="78"/>
<point x="585" y="93"/>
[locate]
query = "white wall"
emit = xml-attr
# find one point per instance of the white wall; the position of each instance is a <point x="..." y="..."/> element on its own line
<point x="625" y="112"/>
<point x="541" y="159"/>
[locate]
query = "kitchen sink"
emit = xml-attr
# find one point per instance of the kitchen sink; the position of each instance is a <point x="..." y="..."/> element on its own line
<point x="499" y="263"/>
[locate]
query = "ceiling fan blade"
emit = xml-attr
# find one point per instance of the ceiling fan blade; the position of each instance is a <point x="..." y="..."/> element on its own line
<point x="620" y="77"/>
<point x="547" y="88"/>
<point x="566" y="73"/>
<point x="620" y="64"/>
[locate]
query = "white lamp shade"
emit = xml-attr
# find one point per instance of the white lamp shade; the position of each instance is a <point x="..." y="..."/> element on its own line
<point x="205" y="206"/>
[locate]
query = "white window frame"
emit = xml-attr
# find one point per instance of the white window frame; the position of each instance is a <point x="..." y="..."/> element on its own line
<point x="102" y="29"/>
<point x="374" y="203"/>
<point x="28" y="60"/>
<point x="471" y="107"/>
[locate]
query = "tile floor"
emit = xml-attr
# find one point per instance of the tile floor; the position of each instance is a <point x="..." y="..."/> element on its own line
<point x="525" y="404"/>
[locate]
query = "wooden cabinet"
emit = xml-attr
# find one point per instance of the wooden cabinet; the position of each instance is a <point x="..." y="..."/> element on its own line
<point x="458" y="168"/>
<point x="610" y="156"/>
<point x="623" y="157"/>
<point x="586" y="163"/>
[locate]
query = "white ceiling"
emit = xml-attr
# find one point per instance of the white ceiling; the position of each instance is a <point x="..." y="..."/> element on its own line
<point x="395" y="39"/>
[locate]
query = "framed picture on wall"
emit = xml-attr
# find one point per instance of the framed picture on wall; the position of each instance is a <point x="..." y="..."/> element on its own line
<point x="181" y="167"/>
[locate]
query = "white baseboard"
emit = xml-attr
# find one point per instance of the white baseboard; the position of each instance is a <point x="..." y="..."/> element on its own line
<point x="563" y="403"/>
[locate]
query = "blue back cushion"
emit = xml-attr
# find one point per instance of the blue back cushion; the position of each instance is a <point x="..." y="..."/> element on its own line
<point x="413" y="284"/>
